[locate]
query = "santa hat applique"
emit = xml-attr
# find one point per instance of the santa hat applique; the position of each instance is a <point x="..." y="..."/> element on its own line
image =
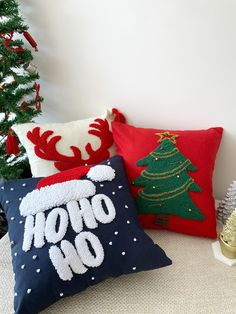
<point x="63" y="187"/>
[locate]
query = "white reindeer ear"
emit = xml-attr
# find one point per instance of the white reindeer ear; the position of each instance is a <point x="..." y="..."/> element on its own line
<point x="101" y="173"/>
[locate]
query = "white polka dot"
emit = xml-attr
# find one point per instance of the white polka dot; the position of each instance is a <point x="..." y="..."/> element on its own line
<point x="101" y="185"/>
<point x="128" y="222"/>
<point x="134" y="268"/>
<point x="126" y="206"/>
<point x="20" y="222"/>
<point x="120" y="187"/>
<point x="15" y="253"/>
<point x="20" y="198"/>
<point x="15" y="294"/>
<point x="108" y="163"/>
<point x="134" y="239"/>
<point x="7" y="202"/>
<point x="12" y="218"/>
<point x="38" y="270"/>
<point x="116" y="232"/>
<point x="113" y="193"/>
<point x="29" y="291"/>
<point x="92" y="278"/>
<point x="110" y="243"/>
<point x="12" y="189"/>
<point x="34" y="256"/>
<point x="24" y="184"/>
<point x="61" y="294"/>
<point x="22" y="266"/>
<point x="153" y="187"/>
<point x="2" y="187"/>
<point x="12" y="242"/>
<point x="123" y="253"/>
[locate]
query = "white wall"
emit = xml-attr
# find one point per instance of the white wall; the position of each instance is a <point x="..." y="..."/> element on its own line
<point x="165" y="63"/>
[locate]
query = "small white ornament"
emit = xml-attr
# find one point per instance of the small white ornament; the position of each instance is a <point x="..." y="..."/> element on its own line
<point x="34" y="257"/>
<point x="22" y="266"/>
<point x="29" y="291"/>
<point x="38" y="270"/>
<point x="123" y="253"/>
<point x="116" y="232"/>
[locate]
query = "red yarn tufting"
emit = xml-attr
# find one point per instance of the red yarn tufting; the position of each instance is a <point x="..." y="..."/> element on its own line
<point x="67" y="175"/>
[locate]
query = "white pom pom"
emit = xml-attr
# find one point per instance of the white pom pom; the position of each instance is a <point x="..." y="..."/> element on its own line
<point x="101" y="173"/>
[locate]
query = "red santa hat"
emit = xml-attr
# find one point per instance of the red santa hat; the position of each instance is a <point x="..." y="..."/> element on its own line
<point x="63" y="187"/>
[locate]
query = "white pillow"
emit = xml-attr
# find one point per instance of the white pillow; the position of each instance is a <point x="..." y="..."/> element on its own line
<point x="49" y="154"/>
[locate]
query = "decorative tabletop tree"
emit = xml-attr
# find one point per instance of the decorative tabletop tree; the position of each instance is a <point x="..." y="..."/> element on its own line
<point x="19" y="93"/>
<point x="228" y="237"/>
<point x="166" y="182"/>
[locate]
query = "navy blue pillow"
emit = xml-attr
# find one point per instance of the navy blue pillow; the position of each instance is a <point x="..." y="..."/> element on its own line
<point x="68" y="236"/>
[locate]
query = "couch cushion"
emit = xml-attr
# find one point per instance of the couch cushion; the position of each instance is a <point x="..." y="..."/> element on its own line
<point x="70" y="235"/>
<point x="195" y="283"/>
<point x="171" y="176"/>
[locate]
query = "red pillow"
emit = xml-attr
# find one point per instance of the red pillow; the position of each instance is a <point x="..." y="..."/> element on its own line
<point x="171" y="176"/>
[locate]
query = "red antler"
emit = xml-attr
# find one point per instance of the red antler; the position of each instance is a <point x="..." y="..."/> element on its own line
<point x="45" y="148"/>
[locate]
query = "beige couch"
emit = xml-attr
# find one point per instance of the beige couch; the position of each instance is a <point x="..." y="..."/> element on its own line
<point x="195" y="283"/>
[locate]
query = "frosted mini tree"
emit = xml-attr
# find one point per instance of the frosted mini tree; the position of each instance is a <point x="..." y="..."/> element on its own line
<point x="19" y="93"/>
<point x="228" y="204"/>
<point x="166" y="182"/>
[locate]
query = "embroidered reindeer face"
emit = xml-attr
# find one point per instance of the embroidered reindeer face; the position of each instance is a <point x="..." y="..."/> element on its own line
<point x="45" y="146"/>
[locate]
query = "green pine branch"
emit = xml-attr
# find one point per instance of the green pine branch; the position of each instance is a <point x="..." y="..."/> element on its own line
<point x="16" y="87"/>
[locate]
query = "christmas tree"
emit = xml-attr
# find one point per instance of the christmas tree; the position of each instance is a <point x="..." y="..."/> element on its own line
<point x="228" y="204"/>
<point x="229" y="232"/>
<point x="19" y="93"/>
<point x="166" y="182"/>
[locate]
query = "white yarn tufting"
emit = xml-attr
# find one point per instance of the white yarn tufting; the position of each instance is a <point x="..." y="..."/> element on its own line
<point x="56" y="195"/>
<point x="65" y="260"/>
<point x="101" y="173"/>
<point x="52" y="235"/>
<point x="34" y="229"/>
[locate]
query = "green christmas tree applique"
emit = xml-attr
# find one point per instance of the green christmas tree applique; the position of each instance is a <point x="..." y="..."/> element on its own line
<point x="166" y="182"/>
